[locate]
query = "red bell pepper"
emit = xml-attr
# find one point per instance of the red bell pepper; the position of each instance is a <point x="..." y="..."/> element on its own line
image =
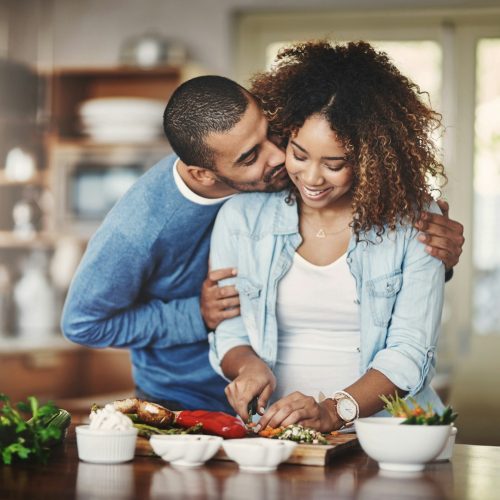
<point x="214" y="422"/>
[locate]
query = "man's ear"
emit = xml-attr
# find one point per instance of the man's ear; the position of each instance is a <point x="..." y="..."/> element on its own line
<point x="201" y="175"/>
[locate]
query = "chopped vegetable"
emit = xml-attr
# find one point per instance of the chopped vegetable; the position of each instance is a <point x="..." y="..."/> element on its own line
<point x="148" y="430"/>
<point x="30" y="439"/>
<point x="294" y="432"/>
<point x="158" y="417"/>
<point x="415" y="414"/>
<point x="214" y="422"/>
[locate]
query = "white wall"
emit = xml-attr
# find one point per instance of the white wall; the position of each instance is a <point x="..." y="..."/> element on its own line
<point x="90" y="32"/>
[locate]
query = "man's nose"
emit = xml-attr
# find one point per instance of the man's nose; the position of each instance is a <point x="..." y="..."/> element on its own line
<point x="275" y="155"/>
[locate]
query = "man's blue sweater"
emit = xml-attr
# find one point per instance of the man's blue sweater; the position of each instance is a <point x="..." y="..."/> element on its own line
<point x="138" y="287"/>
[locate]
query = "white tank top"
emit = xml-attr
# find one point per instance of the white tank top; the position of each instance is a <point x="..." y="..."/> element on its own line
<point x="318" y="329"/>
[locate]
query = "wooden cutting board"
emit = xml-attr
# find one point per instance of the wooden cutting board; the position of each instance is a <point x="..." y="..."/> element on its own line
<point x="303" y="454"/>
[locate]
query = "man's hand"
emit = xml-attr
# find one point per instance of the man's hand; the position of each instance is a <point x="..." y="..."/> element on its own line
<point x="297" y="408"/>
<point x="218" y="303"/>
<point x="255" y="379"/>
<point x="444" y="238"/>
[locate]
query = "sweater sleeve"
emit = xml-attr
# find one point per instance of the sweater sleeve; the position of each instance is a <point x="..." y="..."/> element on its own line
<point x="103" y="309"/>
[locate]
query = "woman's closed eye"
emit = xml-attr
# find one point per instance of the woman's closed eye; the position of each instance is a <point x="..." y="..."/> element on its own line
<point x="299" y="157"/>
<point x="336" y="168"/>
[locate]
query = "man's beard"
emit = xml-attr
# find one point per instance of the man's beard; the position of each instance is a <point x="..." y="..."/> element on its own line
<point x="270" y="185"/>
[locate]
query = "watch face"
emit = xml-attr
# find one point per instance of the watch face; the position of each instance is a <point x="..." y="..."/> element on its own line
<point x="346" y="409"/>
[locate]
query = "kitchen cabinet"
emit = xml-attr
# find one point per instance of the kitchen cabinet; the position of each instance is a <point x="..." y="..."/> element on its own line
<point x="71" y="87"/>
<point x="48" y="122"/>
<point x="61" y="370"/>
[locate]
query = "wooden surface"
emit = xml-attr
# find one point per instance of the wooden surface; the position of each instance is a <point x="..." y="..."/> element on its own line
<point x="473" y="473"/>
<point x="303" y="454"/>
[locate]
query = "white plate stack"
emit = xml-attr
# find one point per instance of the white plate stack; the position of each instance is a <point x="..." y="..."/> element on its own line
<point x="122" y="119"/>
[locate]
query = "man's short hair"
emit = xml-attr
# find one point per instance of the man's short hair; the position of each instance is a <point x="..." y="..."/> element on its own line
<point x="198" y="107"/>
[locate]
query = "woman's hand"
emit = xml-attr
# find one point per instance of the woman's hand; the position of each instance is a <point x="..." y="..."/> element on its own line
<point x="254" y="378"/>
<point x="297" y="408"/>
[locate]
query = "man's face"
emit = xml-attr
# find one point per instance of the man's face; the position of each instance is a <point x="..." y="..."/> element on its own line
<point x="245" y="159"/>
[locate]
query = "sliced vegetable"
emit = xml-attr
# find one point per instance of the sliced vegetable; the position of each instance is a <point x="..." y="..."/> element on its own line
<point x="295" y="432"/>
<point x="159" y="417"/>
<point x="214" y="422"/>
<point x="415" y="414"/>
<point x="148" y="430"/>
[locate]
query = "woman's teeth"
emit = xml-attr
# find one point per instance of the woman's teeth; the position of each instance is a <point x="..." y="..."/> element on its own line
<point x="314" y="193"/>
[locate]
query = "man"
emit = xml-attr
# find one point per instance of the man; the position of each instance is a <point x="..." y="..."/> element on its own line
<point x="138" y="285"/>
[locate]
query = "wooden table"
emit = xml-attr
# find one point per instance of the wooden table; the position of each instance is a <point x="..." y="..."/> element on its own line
<point x="474" y="473"/>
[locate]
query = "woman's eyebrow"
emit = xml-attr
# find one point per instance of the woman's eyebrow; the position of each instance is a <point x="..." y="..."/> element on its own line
<point x="333" y="158"/>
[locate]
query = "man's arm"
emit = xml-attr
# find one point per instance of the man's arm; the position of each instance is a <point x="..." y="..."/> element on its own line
<point x="219" y="303"/>
<point x="443" y="237"/>
<point x="104" y="307"/>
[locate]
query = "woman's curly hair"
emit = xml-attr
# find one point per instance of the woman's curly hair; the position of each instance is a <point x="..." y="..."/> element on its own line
<point x="375" y="112"/>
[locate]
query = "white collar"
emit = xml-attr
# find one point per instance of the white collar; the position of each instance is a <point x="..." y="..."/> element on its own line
<point x="191" y="195"/>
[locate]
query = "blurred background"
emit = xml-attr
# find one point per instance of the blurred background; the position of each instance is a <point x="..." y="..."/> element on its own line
<point x="83" y="85"/>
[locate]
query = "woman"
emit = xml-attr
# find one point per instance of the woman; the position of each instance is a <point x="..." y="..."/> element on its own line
<point x="338" y="298"/>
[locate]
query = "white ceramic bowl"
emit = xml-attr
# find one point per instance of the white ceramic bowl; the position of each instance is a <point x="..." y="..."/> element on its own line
<point x="105" y="446"/>
<point x="396" y="447"/>
<point x="185" y="449"/>
<point x="447" y="452"/>
<point x="258" y="454"/>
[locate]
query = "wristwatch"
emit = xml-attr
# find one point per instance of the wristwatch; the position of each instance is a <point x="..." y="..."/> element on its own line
<point x="346" y="405"/>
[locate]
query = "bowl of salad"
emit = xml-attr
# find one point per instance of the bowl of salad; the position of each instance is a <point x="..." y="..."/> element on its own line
<point x="407" y="441"/>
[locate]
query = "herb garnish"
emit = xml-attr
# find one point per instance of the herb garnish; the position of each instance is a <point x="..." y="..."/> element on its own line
<point x="29" y="439"/>
<point x="415" y="414"/>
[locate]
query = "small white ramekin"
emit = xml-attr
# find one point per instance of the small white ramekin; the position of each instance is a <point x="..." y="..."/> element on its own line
<point x="105" y="446"/>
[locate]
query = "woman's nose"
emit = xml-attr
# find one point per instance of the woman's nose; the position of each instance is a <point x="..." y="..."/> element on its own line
<point x="311" y="176"/>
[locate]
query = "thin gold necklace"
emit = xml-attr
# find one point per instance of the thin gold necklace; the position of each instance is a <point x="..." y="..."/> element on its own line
<point x="321" y="233"/>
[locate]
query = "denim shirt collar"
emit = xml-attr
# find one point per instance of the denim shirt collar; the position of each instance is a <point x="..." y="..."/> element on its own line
<point x="286" y="219"/>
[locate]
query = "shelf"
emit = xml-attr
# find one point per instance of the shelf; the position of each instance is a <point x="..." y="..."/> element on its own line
<point x="124" y="71"/>
<point x="9" y="239"/>
<point x="36" y="180"/>
<point x="18" y="345"/>
<point x="85" y="142"/>
<point x="73" y="86"/>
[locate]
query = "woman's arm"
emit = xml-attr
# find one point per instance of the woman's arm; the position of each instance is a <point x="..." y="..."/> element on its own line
<point x="250" y="376"/>
<point x="323" y="416"/>
<point x="231" y="352"/>
<point x="403" y="365"/>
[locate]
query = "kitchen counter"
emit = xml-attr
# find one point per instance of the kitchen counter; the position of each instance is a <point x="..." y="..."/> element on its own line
<point x="473" y="473"/>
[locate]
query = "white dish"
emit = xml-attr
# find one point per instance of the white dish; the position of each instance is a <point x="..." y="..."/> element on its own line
<point x="403" y="448"/>
<point x="105" y="446"/>
<point x="258" y="454"/>
<point x="128" y="106"/>
<point x="185" y="450"/>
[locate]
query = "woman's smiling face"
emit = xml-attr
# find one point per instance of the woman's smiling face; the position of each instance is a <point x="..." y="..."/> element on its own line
<point x="316" y="163"/>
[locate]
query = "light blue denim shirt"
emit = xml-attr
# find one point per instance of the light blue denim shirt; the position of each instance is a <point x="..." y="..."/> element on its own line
<point x="399" y="290"/>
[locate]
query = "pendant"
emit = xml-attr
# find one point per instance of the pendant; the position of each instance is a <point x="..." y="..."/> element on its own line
<point x="321" y="234"/>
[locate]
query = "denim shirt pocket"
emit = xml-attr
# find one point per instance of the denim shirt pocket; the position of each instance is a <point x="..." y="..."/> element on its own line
<point x="382" y="292"/>
<point x="249" y="292"/>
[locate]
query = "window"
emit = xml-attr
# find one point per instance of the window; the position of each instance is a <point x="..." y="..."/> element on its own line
<point x="455" y="56"/>
<point x="486" y="242"/>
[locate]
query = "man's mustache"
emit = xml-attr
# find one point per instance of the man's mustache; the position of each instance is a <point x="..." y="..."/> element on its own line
<point x="269" y="176"/>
